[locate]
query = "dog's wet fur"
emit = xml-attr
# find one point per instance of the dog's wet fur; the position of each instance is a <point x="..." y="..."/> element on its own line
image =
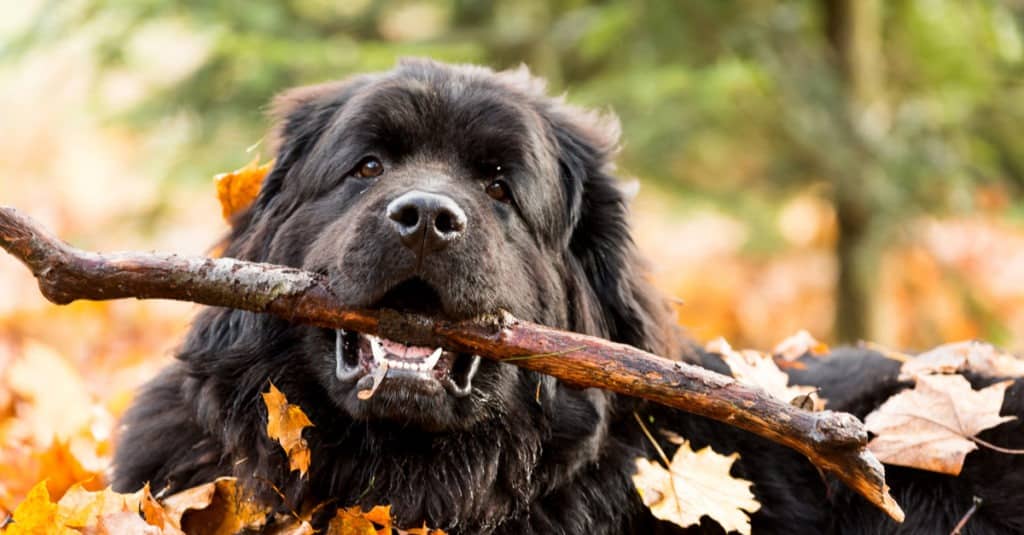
<point x="514" y="207"/>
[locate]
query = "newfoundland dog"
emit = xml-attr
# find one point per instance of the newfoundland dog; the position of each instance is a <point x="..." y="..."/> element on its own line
<point x="455" y="191"/>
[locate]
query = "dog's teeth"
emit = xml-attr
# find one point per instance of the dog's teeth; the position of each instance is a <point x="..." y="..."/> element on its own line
<point x="342" y="370"/>
<point x="432" y="360"/>
<point x="376" y="348"/>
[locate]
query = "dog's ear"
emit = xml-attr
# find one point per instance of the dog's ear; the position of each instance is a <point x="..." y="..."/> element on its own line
<point x="599" y="239"/>
<point x="300" y="116"/>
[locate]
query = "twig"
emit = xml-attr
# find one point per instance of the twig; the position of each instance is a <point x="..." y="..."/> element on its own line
<point x="967" y="516"/>
<point x="835" y="442"/>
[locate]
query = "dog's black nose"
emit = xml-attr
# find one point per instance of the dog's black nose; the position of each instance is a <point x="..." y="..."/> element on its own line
<point x="426" y="221"/>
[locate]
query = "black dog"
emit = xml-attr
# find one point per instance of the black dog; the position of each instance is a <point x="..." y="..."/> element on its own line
<point x="455" y="191"/>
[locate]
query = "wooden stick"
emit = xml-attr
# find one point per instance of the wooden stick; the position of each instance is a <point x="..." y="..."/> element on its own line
<point x="836" y="442"/>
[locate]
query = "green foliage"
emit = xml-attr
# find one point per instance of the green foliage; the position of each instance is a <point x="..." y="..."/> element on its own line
<point x="738" y="102"/>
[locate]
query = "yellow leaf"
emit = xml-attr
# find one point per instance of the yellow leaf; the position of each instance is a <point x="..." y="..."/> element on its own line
<point x="37" y="515"/>
<point x="350" y="521"/>
<point x="697" y="484"/>
<point x="237" y="189"/>
<point x="285" y="423"/>
<point x="930" y="426"/>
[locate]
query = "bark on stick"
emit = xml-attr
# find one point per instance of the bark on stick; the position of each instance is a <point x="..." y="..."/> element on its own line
<point x="836" y="442"/>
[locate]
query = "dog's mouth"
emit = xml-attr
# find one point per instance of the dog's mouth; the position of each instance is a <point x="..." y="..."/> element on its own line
<point x="374" y="363"/>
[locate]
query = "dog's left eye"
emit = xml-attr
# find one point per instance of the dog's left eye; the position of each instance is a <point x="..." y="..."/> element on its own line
<point x="369" y="167"/>
<point x="498" y="190"/>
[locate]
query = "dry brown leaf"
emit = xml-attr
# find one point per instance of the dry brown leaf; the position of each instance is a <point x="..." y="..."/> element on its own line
<point x="758" y="369"/>
<point x="155" y="514"/>
<point x="697" y="484"/>
<point x="930" y="427"/>
<point x="798" y="345"/>
<point x="80" y="508"/>
<point x="217" y="508"/>
<point x="122" y="523"/>
<point x="285" y="423"/>
<point x="237" y="189"/>
<point x="960" y="356"/>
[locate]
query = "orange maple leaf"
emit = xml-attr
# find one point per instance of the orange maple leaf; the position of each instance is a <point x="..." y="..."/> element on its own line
<point x="236" y="190"/>
<point x="285" y="423"/>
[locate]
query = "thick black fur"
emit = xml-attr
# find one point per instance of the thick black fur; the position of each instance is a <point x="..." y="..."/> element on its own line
<point x="523" y="454"/>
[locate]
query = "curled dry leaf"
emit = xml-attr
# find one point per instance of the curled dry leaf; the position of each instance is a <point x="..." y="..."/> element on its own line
<point x="285" y="423"/>
<point x="798" y="345"/>
<point x="931" y="426"/>
<point x="696" y="484"/>
<point x="218" y="508"/>
<point x="961" y="356"/>
<point x="759" y="369"/>
<point x="236" y="190"/>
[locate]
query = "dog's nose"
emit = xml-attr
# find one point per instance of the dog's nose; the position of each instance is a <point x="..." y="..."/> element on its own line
<point x="426" y="222"/>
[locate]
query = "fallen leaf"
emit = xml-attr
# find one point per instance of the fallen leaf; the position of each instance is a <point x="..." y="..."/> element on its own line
<point x="798" y="345"/>
<point x="125" y="522"/>
<point x="351" y="521"/>
<point x="217" y="508"/>
<point x="156" y="515"/>
<point x="376" y="521"/>
<point x="237" y="189"/>
<point x="37" y="515"/>
<point x="80" y="508"/>
<point x="961" y="356"/>
<point x="285" y="423"/>
<point x="931" y="426"/>
<point x="758" y="369"/>
<point x="696" y="484"/>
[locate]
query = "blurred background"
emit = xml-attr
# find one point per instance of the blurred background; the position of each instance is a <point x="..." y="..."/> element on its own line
<point x="849" y="167"/>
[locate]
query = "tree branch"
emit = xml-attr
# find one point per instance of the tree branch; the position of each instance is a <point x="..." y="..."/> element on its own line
<point x="835" y="442"/>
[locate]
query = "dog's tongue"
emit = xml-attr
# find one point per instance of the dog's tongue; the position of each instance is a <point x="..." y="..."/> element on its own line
<point x="405" y="352"/>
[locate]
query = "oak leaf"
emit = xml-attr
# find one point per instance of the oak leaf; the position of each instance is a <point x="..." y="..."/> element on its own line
<point x="933" y="426"/>
<point x="285" y="423"/>
<point x="696" y="484"/>
<point x="236" y="190"/>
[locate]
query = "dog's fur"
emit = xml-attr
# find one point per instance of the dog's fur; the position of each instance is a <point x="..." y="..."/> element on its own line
<point x="522" y="453"/>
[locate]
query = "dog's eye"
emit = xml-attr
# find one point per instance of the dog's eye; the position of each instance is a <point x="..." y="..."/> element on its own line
<point x="498" y="190"/>
<point x="370" y="167"/>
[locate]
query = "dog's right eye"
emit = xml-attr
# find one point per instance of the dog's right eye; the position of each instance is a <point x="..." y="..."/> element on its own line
<point x="369" y="167"/>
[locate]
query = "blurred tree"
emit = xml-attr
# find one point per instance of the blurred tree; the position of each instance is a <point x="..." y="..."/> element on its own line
<point x="888" y="109"/>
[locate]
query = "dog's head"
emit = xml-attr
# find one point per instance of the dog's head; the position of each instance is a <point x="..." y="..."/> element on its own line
<point x="451" y="192"/>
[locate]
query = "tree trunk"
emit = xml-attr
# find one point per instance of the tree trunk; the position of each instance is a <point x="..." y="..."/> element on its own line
<point x="853" y="29"/>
